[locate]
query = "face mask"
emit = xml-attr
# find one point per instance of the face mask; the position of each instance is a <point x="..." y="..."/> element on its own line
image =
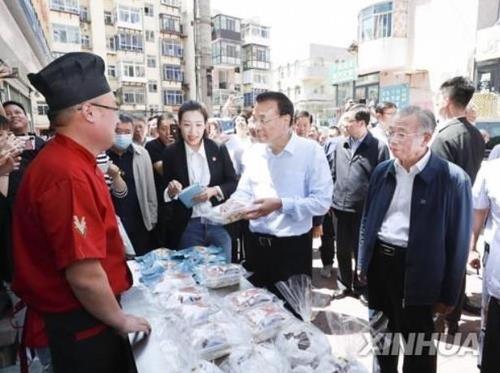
<point x="123" y="141"/>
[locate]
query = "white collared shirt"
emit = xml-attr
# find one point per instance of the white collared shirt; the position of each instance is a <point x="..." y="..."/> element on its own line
<point x="486" y="195"/>
<point x="199" y="173"/>
<point x="396" y="224"/>
<point x="299" y="175"/>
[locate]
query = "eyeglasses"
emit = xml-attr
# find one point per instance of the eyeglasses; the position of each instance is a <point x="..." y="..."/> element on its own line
<point x="400" y="136"/>
<point x="255" y="121"/>
<point x="114" y="108"/>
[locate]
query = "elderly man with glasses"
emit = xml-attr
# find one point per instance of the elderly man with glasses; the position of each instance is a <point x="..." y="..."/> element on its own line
<point x="414" y="240"/>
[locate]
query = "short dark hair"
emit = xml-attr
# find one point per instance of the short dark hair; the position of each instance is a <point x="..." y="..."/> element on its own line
<point x="304" y="114"/>
<point x="125" y="118"/>
<point x="192" y="105"/>
<point x="382" y="106"/>
<point x="285" y="106"/>
<point x="7" y="103"/>
<point x="459" y="90"/>
<point x="361" y="112"/>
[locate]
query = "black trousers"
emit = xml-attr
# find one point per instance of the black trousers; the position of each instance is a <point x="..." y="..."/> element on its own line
<point x="386" y="276"/>
<point x="79" y="343"/>
<point x="456" y="314"/>
<point x="490" y="360"/>
<point x="327" y="248"/>
<point x="347" y="235"/>
<point x="276" y="259"/>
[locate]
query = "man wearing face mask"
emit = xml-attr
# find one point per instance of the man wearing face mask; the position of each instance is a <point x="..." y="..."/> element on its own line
<point x="137" y="210"/>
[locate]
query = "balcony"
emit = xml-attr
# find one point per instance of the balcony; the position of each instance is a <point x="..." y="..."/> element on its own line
<point x="226" y="34"/>
<point x="382" y="54"/>
<point x="254" y="39"/>
<point x="488" y="43"/>
<point x="225" y="61"/>
<point x="312" y="73"/>
<point x="253" y="64"/>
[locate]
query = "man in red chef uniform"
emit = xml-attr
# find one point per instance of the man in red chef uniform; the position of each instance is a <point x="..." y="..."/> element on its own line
<point x="69" y="264"/>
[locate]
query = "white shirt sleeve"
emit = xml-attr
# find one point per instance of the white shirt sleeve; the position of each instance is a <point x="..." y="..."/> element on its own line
<point x="320" y="189"/>
<point x="480" y="197"/>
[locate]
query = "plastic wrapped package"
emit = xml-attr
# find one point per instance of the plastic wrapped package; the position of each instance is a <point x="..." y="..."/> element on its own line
<point x="218" y="336"/>
<point x="151" y="273"/>
<point x="229" y="212"/>
<point x="303" y="344"/>
<point x="174" y="280"/>
<point x="244" y="300"/>
<point x="255" y="358"/>
<point x="216" y="276"/>
<point x="185" y="295"/>
<point x="266" y="320"/>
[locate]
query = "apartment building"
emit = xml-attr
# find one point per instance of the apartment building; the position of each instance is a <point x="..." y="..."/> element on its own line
<point x="307" y="81"/>
<point x="142" y="43"/>
<point x="23" y="47"/>
<point x="241" y="61"/>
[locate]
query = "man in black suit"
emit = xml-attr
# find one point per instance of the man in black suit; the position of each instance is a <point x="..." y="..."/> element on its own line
<point x="459" y="142"/>
<point x="353" y="162"/>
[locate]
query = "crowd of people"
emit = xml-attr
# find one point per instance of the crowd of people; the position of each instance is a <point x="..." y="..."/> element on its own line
<point x="397" y="197"/>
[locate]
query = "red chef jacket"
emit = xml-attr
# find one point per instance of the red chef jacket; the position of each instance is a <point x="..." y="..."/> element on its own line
<point x="63" y="213"/>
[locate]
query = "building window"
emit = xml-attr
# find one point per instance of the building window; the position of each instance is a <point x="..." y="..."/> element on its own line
<point x="150" y="35"/>
<point x="133" y="95"/>
<point x="148" y="10"/>
<point x="130" y="42"/>
<point x="111" y="43"/>
<point x="375" y="22"/>
<point x="108" y="18"/>
<point x="70" y="6"/>
<point x="129" y="15"/>
<point x="172" y="72"/>
<point x="226" y="23"/>
<point x="85" y="41"/>
<point x="66" y="33"/>
<point x="172" y="48"/>
<point x="224" y="52"/>
<point x="172" y="97"/>
<point x="151" y="60"/>
<point x="42" y="108"/>
<point x="84" y="14"/>
<point x="112" y="71"/>
<point x="175" y="3"/>
<point x="153" y="86"/>
<point x="169" y="23"/>
<point x="133" y="70"/>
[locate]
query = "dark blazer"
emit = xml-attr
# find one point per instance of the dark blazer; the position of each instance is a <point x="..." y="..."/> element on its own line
<point x="351" y="172"/>
<point x="439" y="234"/>
<point x="175" y="168"/>
<point x="461" y="143"/>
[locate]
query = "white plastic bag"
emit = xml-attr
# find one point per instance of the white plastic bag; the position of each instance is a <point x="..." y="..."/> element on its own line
<point x="216" y="276"/>
<point x="229" y="212"/>
<point x="261" y="358"/>
<point x="297" y="291"/>
<point x="244" y="300"/>
<point x="266" y="320"/>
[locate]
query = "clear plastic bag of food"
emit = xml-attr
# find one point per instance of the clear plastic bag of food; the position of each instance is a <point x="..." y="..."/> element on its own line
<point x="244" y="300"/>
<point x="206" y="367"/>
<point x="303" y="344"/>
<point x="266" y="320"/>
<point x="216" y="276"/>
<point x="218" y="336"/>
<point x="172" y="280"/>
<point x="255" y="358"/>
<point x="229" y="212"/>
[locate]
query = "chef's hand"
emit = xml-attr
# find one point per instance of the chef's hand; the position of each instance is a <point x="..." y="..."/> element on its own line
<point x="443" y="309"/>
<point x="263" y="207"/>
<point x="132" y="324"/>
<point x="206" y="194"/>
<point x="174" y="188"/>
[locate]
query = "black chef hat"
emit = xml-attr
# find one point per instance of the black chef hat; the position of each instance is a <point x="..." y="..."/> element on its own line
<point x="71" y="79"/>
